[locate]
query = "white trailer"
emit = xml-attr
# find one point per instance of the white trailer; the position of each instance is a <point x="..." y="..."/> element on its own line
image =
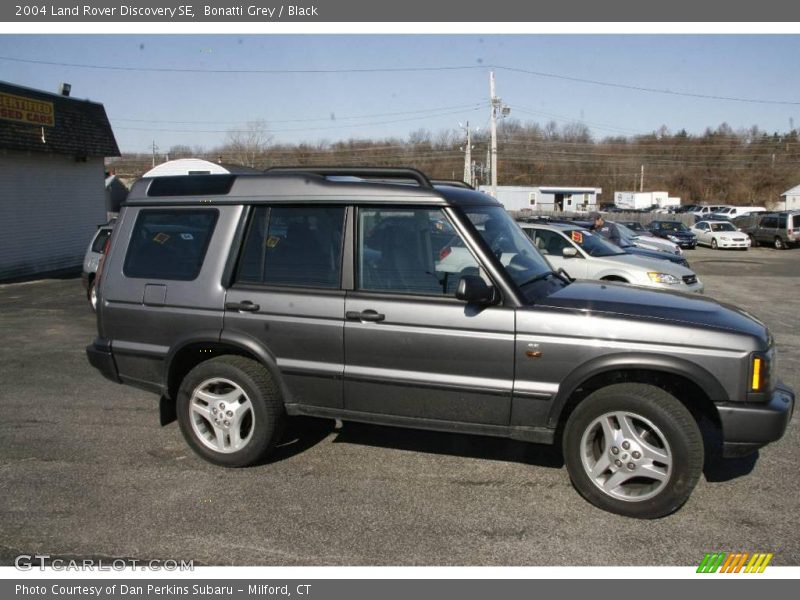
<point x="644" y="200"/>
<point x="546" y="198"/>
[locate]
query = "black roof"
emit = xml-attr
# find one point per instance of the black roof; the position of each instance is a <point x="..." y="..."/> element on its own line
<point x="67" y="126"/>
<point x="296" y="185"/>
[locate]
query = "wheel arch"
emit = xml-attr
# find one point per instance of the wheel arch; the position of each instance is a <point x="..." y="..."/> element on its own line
<point x="189" y="353"/>
<point x="690" y="383"/>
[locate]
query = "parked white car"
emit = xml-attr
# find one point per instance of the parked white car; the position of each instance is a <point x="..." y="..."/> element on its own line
<point x="705" y="211"/>
<point x="731" y="212"/>
<point x="720" y="234"/>
<point x="586" y="255"/>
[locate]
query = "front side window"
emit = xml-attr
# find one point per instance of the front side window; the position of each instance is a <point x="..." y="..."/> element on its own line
<point x="169" y="244"/>
<point x="293" y="246"/>
<point x="410" y="251"/>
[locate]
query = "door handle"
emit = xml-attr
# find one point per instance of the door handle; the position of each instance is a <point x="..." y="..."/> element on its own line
<point x="367" y="315"/>
<point x="245" y="306"/>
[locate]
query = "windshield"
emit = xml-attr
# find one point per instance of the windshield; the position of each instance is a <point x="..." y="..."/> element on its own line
<point x="593" y="244"/>
<point x="515" y="250"/>
<point x="671" y="226"/>
<point x="722" y="227"/>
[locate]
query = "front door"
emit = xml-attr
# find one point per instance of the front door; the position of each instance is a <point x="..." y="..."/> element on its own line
<point x="411" y="348"/>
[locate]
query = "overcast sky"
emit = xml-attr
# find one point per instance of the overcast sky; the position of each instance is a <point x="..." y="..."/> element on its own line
<point x="180" y="89"/>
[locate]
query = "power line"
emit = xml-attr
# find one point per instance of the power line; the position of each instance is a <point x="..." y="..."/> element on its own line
<point x="329" y="118"/>
<point x="544" y="74"/>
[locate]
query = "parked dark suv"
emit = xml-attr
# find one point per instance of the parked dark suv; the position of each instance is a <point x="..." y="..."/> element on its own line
<point x="780" y="229"/>
<point x="376" y="296"/>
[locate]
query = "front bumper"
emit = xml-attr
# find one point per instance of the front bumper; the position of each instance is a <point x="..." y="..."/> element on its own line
<point x="101" y="358"/>
<point x="733" y="243"/>
<point x="746" y="427"/>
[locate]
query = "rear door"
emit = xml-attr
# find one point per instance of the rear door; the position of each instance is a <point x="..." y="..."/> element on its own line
<point x="767" y="229"/>
<point x="412" y="349"/>
<point x="287" y="297"/>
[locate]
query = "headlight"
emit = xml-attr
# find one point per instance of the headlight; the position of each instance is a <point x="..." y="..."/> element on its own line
<point x="672" y="238"/>
<point x="666" y="278"/>
<point x="724" y="237"/>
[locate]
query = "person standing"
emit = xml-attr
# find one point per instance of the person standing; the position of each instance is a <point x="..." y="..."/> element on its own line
<point x="607" y="230"/>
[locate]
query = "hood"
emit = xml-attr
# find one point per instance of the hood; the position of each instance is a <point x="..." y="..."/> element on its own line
<point x="651" y="264"/>
<point x="621" y="300"/>
<point x="678" y="259"/>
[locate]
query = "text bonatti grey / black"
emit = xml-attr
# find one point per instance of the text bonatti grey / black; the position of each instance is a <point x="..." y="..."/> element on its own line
<point x="187" y="10"/>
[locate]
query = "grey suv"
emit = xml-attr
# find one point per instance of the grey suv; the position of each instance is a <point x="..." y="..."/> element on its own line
<point x="377" y="296"/>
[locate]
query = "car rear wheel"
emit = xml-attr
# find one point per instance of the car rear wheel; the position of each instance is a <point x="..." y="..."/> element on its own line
<point x="92" y="294"/>
<point x="753" y="241"/>
<point x="230" y="411"/>
<point x="633" y="449"/>
<point x="779" y="243"/>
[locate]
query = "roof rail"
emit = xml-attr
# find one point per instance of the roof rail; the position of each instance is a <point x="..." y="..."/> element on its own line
<point x="372" y="172"/>
<point x="452" y="183"/>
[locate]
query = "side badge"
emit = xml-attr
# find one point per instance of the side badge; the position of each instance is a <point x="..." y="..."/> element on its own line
<point x="533" y="351"/>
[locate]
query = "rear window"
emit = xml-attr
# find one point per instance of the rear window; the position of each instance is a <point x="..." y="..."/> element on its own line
<point x="169" y="244"/>
<point x="99" y="243"/>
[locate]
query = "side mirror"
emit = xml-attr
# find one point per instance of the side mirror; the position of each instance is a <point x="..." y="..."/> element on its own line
<point x="569" y="252"/>
<point x="472" y="289"/>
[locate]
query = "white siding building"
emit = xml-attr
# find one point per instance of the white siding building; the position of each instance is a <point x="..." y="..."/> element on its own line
<point x="52" y="179"/>
<point x="546" y="198"/>
<point x="790" y="199"/>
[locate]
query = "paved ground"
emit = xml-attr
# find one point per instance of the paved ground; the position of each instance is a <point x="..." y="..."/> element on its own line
<point x="85" y="469"/>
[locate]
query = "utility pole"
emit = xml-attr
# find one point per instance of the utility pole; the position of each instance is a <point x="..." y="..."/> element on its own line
<point x="497" y="107"/>
<point x="641" y="180"/>
<point x="155" y="148"/>
<point x="495" y="102"/>
<point x="468" y="177"/>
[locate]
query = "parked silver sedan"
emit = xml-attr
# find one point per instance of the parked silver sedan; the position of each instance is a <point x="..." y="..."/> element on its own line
<point x="586" y="255"/>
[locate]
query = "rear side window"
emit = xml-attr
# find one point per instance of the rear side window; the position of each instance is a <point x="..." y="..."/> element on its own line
<point x="169" y="244"/>
<point x="99" y="243"/>
<point x="769" y="222"/>
<point x="293" y="246"/>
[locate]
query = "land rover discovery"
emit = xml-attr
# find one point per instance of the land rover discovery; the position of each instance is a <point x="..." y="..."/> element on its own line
<point x="244" y="299"/>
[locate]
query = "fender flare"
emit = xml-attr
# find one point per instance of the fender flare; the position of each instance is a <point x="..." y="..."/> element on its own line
<point x="641" y="361"/>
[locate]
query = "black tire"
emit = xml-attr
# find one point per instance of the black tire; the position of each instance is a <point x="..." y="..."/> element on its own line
<point x="714" y="245"/>
<point x="266" y="418"/>
<point x="779" y="243"/>
<point x="660" y="415"/>
<point x="753" y="242"/>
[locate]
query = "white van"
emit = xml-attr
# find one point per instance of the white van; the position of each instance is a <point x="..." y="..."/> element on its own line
<point x="730" y="212"/>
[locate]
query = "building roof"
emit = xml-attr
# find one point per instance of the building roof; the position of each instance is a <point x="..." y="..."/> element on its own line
<point x="37" y="121"/>
<point x="792" y="192"/>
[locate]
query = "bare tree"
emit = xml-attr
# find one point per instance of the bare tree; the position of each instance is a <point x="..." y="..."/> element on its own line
<point x="248" y="146"/>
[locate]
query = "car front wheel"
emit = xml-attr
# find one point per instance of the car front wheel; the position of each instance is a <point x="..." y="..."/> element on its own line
<point x="230" y="411"/>
<point x="714" y="245"/>
<point x="633" y="449"/>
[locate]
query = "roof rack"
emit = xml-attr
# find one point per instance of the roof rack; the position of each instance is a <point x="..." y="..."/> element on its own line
<point x="452" y="183"/>
<point x="366" y="172"/>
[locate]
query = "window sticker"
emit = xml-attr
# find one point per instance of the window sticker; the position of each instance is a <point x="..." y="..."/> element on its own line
<point x="273" y="241"/>
<point x="577" y="236"/>
<point x="160" y="238"/>
<point x="187" y="236"/>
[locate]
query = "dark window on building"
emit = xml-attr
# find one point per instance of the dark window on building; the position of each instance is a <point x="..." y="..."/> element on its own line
<point x="169" y="244"/>
<point x="293" y="246"/>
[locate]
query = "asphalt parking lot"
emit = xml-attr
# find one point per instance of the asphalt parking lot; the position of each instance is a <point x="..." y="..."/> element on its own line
<point x="86" y="470"/>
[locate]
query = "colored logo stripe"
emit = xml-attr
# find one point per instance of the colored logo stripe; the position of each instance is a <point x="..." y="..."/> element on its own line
<point x="734" y="562"/>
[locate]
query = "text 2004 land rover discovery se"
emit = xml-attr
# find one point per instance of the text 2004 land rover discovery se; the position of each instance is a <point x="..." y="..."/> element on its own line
<point x="376" y="296"/>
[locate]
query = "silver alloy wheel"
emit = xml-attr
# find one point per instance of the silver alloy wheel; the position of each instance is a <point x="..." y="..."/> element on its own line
<point x="778" y="243"/>
<point x="222" y="415"/>
<point x="626" y="456"/>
